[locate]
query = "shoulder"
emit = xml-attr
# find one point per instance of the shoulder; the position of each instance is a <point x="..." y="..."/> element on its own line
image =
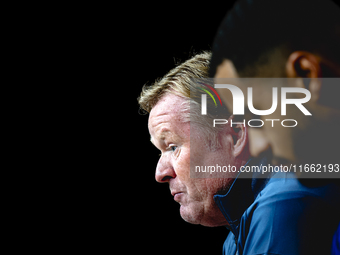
<point x="285" y="186"/>
<point x="287" y="212"/>
<point x="288" y="203"/>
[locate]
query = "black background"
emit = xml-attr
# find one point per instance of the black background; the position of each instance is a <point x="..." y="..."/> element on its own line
<point x="156" y="39"/>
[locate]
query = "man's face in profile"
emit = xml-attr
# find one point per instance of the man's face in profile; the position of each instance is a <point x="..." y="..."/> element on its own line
<point x="171" y="135"/>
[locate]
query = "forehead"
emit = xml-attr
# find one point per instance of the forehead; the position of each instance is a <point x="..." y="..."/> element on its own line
<point x="166" y="115"/>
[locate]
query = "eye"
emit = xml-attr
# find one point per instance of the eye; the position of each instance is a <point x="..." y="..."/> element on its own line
<point x="171" y="147"/>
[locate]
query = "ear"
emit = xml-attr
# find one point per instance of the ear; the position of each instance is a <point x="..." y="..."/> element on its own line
<point x="304" y="64"/>
<point x="239" y="134"/>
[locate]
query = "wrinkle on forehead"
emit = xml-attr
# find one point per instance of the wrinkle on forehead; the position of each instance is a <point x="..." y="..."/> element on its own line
<point x="167" y="108"/>
<point x="161" y="135"/>
<point x="165" y="117"/>
<point x="158" y="124"/>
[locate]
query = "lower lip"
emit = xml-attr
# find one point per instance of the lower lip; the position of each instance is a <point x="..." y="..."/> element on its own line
<point x="177" y="196"/>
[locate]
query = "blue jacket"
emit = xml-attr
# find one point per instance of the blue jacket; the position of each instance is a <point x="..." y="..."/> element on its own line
<point x="336" y="242"/>
<point x="279" y="215"/>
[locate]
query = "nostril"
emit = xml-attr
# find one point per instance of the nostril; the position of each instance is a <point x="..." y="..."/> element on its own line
<point x="164" y="172"/>
<point x="166" y="178"/>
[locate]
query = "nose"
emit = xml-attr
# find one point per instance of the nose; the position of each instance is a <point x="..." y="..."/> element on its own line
<point x="164" y="170"/>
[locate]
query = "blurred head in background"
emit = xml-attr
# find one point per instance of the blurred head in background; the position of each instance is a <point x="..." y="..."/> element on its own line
<point x="285" y="39"/>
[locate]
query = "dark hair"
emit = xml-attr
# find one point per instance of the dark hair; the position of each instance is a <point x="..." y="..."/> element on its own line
<point x="254" y="27"/>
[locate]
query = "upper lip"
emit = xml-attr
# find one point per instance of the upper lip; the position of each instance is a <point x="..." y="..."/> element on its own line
<point x="173" y="193"/>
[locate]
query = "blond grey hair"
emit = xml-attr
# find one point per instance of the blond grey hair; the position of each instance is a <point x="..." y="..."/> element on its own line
<point x="179" y="81"/>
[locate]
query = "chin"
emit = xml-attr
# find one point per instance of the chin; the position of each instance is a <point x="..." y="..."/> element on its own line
<point x="191" y="214"/>
<point x="194" y="214"/>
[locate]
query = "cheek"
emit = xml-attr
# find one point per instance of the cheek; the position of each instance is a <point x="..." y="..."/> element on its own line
<point x="182" y="164"/>
<point x="193" y="186"/>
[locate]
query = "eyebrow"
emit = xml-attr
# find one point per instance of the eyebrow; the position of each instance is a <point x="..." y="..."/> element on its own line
<point x="162" y="135"/>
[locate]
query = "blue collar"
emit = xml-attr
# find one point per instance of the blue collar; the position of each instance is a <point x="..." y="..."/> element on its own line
<point x="241" y="194"/>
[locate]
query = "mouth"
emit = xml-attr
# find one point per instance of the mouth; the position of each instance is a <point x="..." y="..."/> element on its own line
<point x="177" y="196"/>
